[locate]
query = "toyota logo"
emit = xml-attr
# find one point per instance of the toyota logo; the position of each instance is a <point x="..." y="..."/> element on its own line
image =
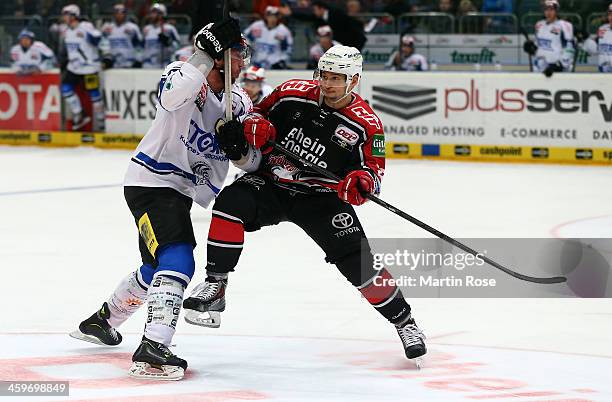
<point x="342" y="221"/>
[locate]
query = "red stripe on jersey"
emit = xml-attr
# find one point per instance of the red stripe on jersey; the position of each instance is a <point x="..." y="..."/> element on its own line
<point x="225" y="231"/>
<point x="379" y="289"/>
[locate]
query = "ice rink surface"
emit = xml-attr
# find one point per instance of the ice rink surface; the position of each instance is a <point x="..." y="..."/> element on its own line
<point x="294" y="329"/>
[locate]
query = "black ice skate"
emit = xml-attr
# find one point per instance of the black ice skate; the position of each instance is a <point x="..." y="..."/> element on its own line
<point x="206" y="303"/>
<point x="413" y="340"/>
<point x="97" y="330"/>
<point x="154" y="361"/>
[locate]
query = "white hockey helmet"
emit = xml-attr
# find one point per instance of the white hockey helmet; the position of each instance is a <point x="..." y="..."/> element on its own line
<point x="254" y="73"/>
<point x="408" y="40"/>
<point x="324" y="30"/>
<point x="552" y="4"/>
<point x="160" y="8"/>
<point x="271" y="10"/>
<point x="26" y="33"/>
<point x="119" y="8"/>
<point x="610" y="8"/>
<point x="341" y="59"/>
<point x="72" y="9"/>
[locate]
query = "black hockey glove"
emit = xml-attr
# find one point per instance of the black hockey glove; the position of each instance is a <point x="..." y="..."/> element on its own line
<point x="213" y="39"/>
<point x="107" y="62"/>
<point x="553" y="68"/>
<point x="530" y="47"/>
<point x="164" y="39"/>
<point x="231" y="140"/>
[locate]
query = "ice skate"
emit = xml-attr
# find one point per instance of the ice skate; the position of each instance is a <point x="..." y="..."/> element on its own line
<point x="413" y="340"/>
<point x="206" y="303"/>
<point x="96" y="329"/>
<point x="154" y="361"/>
<point x="79" y="121"/>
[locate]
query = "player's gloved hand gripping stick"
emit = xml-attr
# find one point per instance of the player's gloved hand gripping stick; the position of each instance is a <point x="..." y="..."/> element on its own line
<point x="422" y="225"/>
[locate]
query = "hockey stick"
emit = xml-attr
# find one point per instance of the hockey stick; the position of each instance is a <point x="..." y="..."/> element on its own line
<point x="227" y="68"/>
<point x="524" y="32"/>
<point x="422" y="225"/>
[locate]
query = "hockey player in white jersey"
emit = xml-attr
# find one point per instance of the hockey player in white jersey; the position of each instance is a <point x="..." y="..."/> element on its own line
<point x="272" y="40"/>
<point x="254" y="83"/>
<point x="180" y="160"/>
<point x="30" y="56"/>
<point x="183" y="53"/>
<point x="125" y="39"/>
<point x="161" y="39"/>
<point x="326" y="40"/>
<point x="83" y="63"/>
<point x="405" y="58"/>
<point x="602" y="44"/>
<point x="554" y="51"/>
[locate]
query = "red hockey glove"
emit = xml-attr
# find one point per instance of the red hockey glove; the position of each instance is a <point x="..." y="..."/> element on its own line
<point x="355" y="186"/>
<point x="258" y="131"/>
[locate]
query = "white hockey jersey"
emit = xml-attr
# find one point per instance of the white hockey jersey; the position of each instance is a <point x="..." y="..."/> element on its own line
<point x="82" y="48"/>
<point x="183" y="53"/>
<point x="555" y="44"/>
<point x="38" y="57"/>
<point x="316" y="51"/>
<point x="180" y="149"/>
<point x="415" y="62"/>
<point x="155" y="55"/>
<point x="125" y="43"/>
<point x="271" y="45"/>
<point x="604" y="48"/>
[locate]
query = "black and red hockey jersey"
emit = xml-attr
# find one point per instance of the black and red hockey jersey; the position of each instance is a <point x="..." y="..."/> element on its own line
<point x="339" y="140"/>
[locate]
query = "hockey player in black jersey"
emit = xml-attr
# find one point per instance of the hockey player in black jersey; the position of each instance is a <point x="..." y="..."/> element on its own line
<point x="324" y="122"/>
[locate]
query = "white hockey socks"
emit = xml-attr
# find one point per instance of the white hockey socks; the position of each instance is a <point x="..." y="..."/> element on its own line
<point x="125" y="300"/>
<point x="164" y="300"/>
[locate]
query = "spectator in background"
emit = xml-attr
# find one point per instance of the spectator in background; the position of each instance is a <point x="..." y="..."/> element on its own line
<point x="260" y="6"/>
<point x="125" y="40"/>
<point x="271" y="39"/>
<point x="348" y="30"/>
<point x="254" y="84"/>
<point x="30" y="56"/>
<point x="405" y="59"/>
<point x="353" y="7"/>
<point x="326" y="41"/>
<point x="161" y="39"/>
<point x="446" y="6"/>
<point x="466" y="7"/>
<point x="82" y="65"/>
<point x="497" y="6"/>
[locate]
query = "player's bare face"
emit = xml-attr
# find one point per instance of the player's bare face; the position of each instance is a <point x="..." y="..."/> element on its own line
<point x="252" y="88"/>
<point x="550" y="13"/>
<point x="333" y="85"/>
<point x="25" y="42"/>
<point x="610" y="18"/>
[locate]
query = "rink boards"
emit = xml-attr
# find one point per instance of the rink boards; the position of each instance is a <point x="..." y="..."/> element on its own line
<point x="394" y="150"/>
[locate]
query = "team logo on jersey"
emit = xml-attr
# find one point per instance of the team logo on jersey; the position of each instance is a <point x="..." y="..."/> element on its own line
<point x="378" y="145"/>
<point x="202" y="143"/>
<point x="201" y="170"/>
<point x="345" y="137"/>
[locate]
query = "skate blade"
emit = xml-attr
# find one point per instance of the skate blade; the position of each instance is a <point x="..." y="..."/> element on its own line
<point x="87" y="338"/>
<point x="209" y="319"/>
<point x="145" y="371"/>
<point x="82" y="123"/>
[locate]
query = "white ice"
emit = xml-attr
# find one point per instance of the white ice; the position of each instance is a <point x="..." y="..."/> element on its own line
<point x="294" y="329"/>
